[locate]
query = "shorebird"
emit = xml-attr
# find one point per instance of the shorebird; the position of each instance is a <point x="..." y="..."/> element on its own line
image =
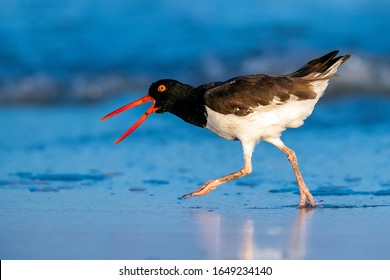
<point x="249" y="109"/>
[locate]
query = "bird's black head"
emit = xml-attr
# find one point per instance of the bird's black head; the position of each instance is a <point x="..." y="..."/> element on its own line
<point x="166" y="93"/>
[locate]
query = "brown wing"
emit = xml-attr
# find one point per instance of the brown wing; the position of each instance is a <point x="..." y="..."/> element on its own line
<point x="240" y="95"/>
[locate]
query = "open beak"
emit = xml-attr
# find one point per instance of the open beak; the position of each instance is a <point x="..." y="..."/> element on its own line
<point x="133" y="104"/>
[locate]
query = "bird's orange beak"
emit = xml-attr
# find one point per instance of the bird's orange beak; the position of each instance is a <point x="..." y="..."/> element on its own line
<point x="133" y="104"/>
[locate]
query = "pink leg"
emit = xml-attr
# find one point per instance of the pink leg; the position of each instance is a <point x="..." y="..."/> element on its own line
<point x="305" y="195"/>
<point x="213" y="184"/>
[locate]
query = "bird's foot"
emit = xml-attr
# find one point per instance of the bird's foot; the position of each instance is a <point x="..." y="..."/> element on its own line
<point x="203" y="189"/>
<point x="307" y="200"/>
<point x="307" y="204"/>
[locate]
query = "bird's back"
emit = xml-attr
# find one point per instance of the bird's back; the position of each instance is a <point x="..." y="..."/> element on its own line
<point x="262" y="106"/>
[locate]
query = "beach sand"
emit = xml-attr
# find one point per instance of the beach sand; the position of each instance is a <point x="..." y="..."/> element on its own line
<point x="67" y="192"/>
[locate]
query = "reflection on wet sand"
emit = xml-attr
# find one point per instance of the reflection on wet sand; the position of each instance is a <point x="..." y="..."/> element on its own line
<point x="247" y="240"/>
<point x="209" y="227"/>
<point x="299" y="236"/>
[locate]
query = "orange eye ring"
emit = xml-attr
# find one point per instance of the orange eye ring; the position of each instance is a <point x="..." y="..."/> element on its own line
<point x="162" y="88"/>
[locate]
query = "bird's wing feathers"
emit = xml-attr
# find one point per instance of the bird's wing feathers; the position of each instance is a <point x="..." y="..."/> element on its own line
<point x="240" y="95"/>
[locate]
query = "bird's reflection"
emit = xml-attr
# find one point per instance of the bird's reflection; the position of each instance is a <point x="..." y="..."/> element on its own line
<point x="223" y="238"/>
<point x="210" y="231"/>
<point x="299" y="235"/>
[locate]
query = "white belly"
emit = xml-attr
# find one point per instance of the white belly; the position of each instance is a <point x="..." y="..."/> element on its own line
<point x="265" y="122"/>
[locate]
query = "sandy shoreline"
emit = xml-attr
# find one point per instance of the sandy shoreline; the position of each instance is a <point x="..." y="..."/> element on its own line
<point x="66" y="192"/>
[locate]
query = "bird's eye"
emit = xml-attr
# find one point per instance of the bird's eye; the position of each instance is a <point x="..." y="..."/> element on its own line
<point x="162" y="88"/>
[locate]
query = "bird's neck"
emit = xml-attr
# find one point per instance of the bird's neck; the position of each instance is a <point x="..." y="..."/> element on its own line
<point x="190" y="107"/>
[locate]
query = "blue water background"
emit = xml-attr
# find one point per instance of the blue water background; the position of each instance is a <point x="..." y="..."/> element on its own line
<point x="84" y="50"/>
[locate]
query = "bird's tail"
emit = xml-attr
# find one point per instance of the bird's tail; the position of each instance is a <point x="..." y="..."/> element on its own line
<point x="323" y="68"/>
<point x="317" y="73"/>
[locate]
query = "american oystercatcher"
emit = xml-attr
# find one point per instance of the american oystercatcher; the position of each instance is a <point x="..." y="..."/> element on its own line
<point x="250" y="109"/>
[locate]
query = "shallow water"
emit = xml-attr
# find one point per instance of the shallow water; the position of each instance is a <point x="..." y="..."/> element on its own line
<point x="66" y="192"/>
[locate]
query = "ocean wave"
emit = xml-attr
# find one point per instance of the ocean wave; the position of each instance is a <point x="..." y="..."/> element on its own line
<point x="361" y="74"/>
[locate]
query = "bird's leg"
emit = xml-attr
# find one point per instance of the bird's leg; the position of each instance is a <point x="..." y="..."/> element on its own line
<point x="305" y="195"/>
<point x="213" y="184"/>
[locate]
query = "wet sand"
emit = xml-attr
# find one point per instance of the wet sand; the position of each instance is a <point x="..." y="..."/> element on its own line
<point x="66" y="192"/>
